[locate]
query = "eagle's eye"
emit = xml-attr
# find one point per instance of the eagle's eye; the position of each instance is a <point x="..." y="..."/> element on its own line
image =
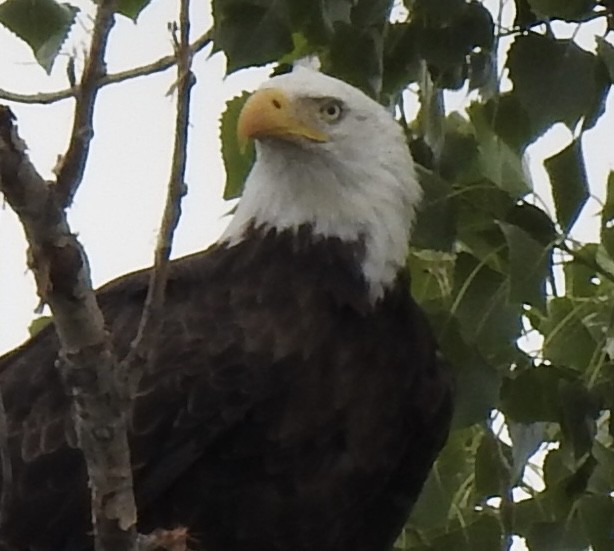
<point x="331" y="110"/>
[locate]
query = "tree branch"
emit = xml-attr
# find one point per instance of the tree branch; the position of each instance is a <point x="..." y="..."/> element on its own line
<point x="151" y="320"/>
<point x="158" y="66"/>
<point x="70" y="173"/>
<point x="87" y="362"/>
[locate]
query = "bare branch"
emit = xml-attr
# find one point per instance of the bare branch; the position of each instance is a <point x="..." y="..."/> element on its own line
<point x="151" y="319"/>
<point x="72" y="166"/>
<point x="158" y="66"/>
<point x="87" y="363"/>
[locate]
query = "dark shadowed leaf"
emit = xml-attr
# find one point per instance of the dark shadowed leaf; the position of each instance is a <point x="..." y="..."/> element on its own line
<point x="236" y="162"/>
<point x="569" y="183"/>
<point x="605" y="51"/>
<point x="524" y="15"/>
<point x="570" y="10"/>
<point x="479" y="532"/>
<point x="363" y="71"/>
<point x="477" y="382"/>
<point x="578" y="413"/>
<point x="438" y="13"/>
<point x="252" y="32"/>
<point x="607" y="218"/>
<point x="534" y="221"/>
<point x="435" y="226"/>
<point x="401" y="58"/>
<point x="581" y="272"/>
<point x="512" y="122"/>
<point x="482" y="72"/>
<point x="476" y="23"/>
<point x="557" y="536"/>
<point x="492" y="461"/>
<point x="42" y="24"/>
<point x="532" y="396"/>
<point x="530" y="265"/>
<point x="596" y="514"/>
<point x="554" y="80"/>
<point x="526" y="440"/>
<point x="132" y="8"/>
<point x="482" y="308"/>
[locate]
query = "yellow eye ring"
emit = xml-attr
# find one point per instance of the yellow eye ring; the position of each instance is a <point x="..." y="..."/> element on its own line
<point x="331" y="111"/>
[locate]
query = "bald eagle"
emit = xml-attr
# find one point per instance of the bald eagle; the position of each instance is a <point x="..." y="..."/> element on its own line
<point x="296" y="400"/>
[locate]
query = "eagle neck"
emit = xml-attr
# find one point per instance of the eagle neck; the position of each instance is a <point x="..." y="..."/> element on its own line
<point x="367" y="203"/>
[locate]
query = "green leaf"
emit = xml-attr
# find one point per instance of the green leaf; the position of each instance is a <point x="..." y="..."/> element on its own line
<point x="459" y="155"/>
<point x="453" y="469"/>
<point x="578" y="413"/>
<point x="532" y="395"/>
<point x="554" y="80"/>
<point x="236" y="162"/>
<point x="252" y="32"/>
<point x="438" y="13"/>
<point x="477" y="382"/>
<point x="569" y="183"/>
<point x="569" y="10"/>
<point x="38" y="324"/>
<point x="596" y="514"/>
<point x="485" y="316"/>
<point x="557" y="536"/>
<point x="492" y="460"/>
<point x="132" y="8"/>
<point x="401" y="59"/>
<point x="479" y="532"/>
<point x="567" y="340"/>
<point x="42" y="24"/>
<point x="435" y="226"/>
<point x="363" y="71"/>
<point x="530" y="265"/>
<point x="524" y="15"/>
<point x="534" y="221"/>
<point x="580" y="277"/>
<point x="431" y="275"/>
<point x="498" y="162"/>
<point x="607" y="218"/>
<point x="512" y="122"/>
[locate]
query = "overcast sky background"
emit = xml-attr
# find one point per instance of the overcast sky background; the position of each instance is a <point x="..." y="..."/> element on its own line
<point x="117" y="209"/>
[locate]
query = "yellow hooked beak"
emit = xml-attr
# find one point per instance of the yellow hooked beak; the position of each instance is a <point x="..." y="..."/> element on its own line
<point x="269" y="113"/>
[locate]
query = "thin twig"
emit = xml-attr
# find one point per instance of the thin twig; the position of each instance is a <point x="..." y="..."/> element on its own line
<point x="151" y="320"/>
<point x="72" y="167"/>
<point x="158" y="66"/>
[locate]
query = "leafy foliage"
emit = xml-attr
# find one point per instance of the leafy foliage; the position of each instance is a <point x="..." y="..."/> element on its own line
<point x="489" y="263"/>
<point x="45" y="24"/>
<point x="42" y="24"/>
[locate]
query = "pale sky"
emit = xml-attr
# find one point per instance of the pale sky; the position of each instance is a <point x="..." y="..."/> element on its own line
<point x="117" y="209"/>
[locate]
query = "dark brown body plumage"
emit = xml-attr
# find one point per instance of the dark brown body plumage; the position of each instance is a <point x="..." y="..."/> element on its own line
<point x="283" y="412"/>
